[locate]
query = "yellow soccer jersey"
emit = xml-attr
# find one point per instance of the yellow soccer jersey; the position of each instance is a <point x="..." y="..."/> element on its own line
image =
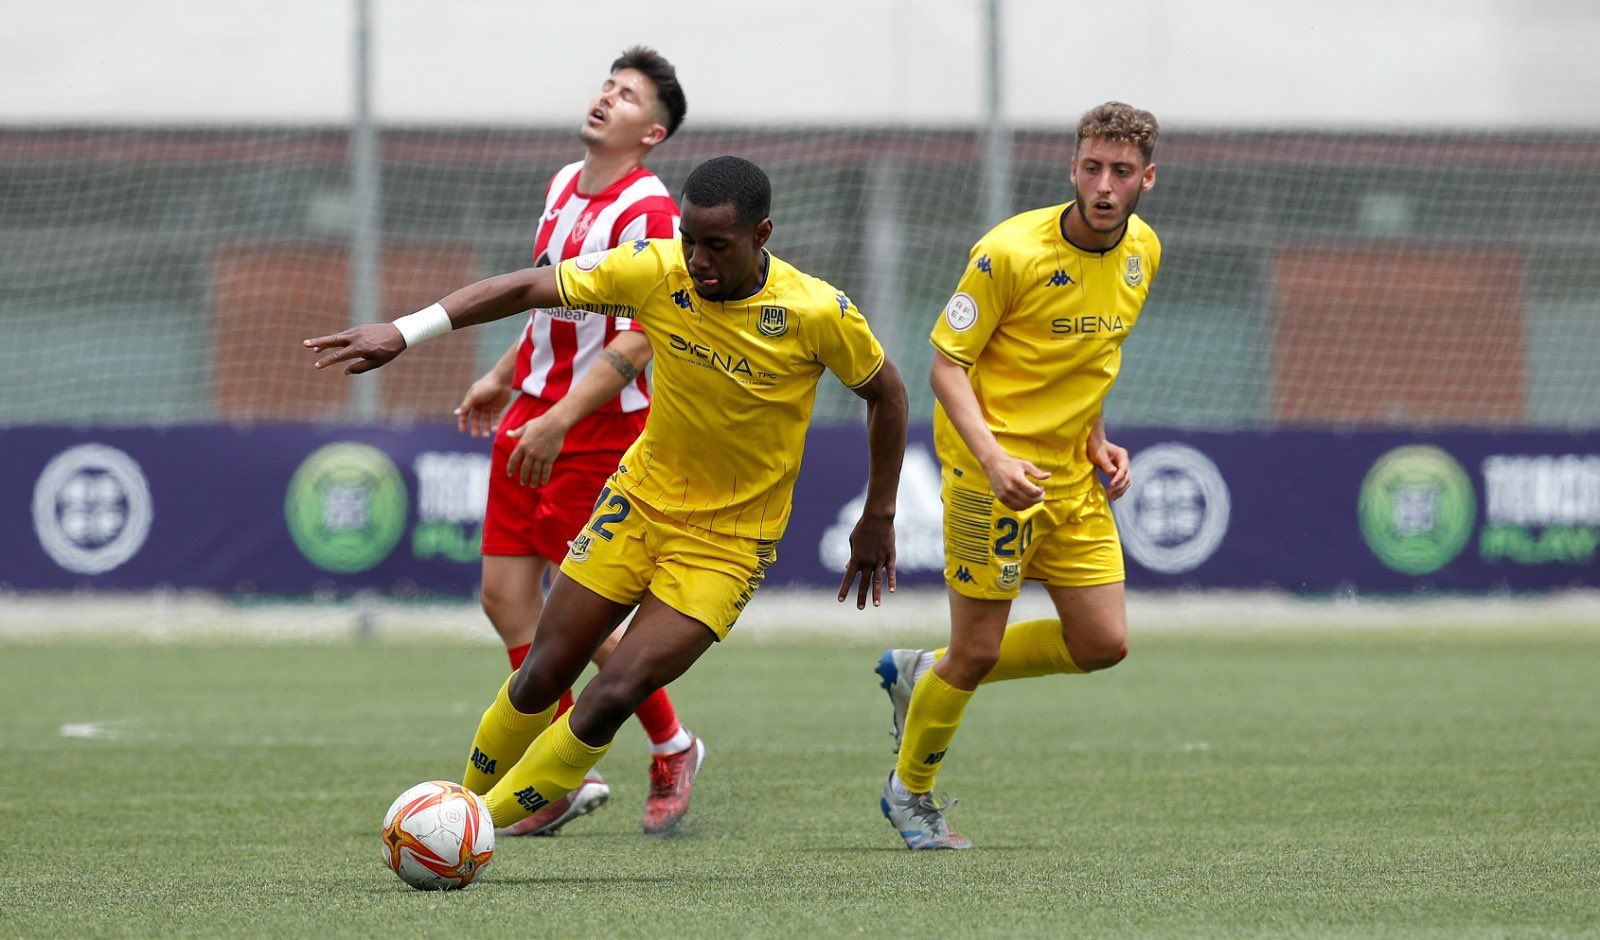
<point x="1039" y="324"/>
<point x="734" y="381"/>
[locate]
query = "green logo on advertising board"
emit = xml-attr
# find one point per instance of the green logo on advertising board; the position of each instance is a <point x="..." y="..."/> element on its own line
<point x="346" y="507"/>
<point x="1416" y="509"/>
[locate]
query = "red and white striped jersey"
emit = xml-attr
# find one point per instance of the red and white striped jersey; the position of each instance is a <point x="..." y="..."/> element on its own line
<point x="559" y="345"/>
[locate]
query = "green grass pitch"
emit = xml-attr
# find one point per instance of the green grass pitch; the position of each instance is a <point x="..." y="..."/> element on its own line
<point x="1335" y="783"/>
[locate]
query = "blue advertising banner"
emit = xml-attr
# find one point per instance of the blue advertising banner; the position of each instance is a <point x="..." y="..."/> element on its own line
<point x="302" y="509"/>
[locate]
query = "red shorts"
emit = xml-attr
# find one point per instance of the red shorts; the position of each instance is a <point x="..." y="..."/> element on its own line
<point x="541" y="520"/>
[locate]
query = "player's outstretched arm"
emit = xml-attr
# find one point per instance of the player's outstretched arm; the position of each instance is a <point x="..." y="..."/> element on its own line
<point x="872" y="540"/>
<point x="371" y="345"/>
<point x="1011" y="478"/>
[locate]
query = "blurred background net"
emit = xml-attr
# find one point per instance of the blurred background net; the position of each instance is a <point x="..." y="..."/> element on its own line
<point x="1321" y="268"/>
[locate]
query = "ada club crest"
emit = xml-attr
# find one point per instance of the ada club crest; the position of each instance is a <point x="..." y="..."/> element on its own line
<point x="774" y="321"/>
<point x="1010" y="574"/>
<point x="578" y="548"/>
<point x="1133" y="271"/>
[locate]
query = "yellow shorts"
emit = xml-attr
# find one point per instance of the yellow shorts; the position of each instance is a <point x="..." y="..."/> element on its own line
<point x="989" y="550"/>
<point x="629" y="548"/>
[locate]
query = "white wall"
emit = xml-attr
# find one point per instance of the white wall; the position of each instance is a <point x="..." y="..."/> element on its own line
<point x="1436" y="63"/>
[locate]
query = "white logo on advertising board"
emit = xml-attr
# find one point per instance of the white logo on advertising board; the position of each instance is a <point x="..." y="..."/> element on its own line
<point x="91" y="508"/>
<point x="1175" y="514"/>
<point x="451" y="486"/>
<point x="918" y="521"/>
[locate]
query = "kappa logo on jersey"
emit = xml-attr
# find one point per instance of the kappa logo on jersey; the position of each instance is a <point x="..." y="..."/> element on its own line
<point x="774" y="321"/>
<point x="640" y="245"/>
<point x="963" y="575"/>
<point x="1133" y="271"/>
<point x="985" y="265"/>
<point x="482" y="761"/>
<point x="682" y="299"/>
<point x="1060" y="279"/>
<point x="530" y="800"/>
<point x="935" y="757"/>
<point x="590" y="261"/>
<point x="844" y="304"/>
<point x="961" y="312"/>
<point x="578" y="548"/>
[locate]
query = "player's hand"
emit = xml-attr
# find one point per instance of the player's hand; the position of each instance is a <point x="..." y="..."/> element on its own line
<point x="1012" y="478"/>
<point x="365" y="347"/>
<point x="479" y="412"/>
<point x="1113" y="462"/>
<point x="871" y="557"/>
<point x="538" y="445"/>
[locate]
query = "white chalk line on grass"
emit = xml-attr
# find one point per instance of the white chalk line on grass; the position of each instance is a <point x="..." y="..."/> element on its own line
<point x="776" y="613"/>
<point x="93" y="730"/>
<point x="122" y="730"/>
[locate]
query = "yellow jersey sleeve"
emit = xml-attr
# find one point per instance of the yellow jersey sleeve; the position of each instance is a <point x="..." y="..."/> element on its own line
<point x="613" y="283"/>
<point x="844" y="343"/>
<point x="975" y="309"/>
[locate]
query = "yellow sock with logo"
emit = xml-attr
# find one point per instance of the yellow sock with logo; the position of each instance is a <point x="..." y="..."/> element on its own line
<point x="554" y="766"/>
<point x="931" y="723"/>
<point x="503" y="735"/>
<point x="1029" y="648"/>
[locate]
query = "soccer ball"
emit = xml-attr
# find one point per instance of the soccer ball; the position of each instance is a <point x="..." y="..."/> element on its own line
<point x="437" y="836"/>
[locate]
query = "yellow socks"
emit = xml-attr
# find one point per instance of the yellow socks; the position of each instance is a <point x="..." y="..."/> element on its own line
<point x="931" y="723"/>
<point x="503" y="735"/>
<point x="554" y="766"/>
<point x="1032" y="648"/>
<point x="1029" y="648"/>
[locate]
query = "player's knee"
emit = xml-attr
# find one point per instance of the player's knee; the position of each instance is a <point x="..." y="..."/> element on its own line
<point x="535" y="687"/>
<point x="967" y="666"/>
<point x="616" y="696"/>
<point x="1101" y="655"/>
<point x="500" y="604"/>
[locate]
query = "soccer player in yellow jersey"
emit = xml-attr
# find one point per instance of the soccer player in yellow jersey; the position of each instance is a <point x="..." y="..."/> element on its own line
<point x="688" y="524"/>
<point x="1028" y="347"/>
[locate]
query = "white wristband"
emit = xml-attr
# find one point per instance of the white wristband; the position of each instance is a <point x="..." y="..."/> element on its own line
<point x="424" y="324"/>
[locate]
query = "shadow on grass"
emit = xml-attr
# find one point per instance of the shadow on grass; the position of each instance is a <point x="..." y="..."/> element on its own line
<point x="489" y="884"/>
<point x="869" y="849"/>
<point x="598" y="880"/>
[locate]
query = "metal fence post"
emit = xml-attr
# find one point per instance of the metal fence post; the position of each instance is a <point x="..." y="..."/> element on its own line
<point x="366" y="242"/>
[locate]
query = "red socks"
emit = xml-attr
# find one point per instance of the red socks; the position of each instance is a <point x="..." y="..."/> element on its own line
<point x="659" y="718"/>
<point x="517" y="654"/>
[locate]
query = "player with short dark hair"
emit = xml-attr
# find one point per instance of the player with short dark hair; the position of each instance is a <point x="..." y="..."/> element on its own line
<point x="687" y="526"/>
<point x="581" y="401"/>
<point x="1028" y="348"/>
